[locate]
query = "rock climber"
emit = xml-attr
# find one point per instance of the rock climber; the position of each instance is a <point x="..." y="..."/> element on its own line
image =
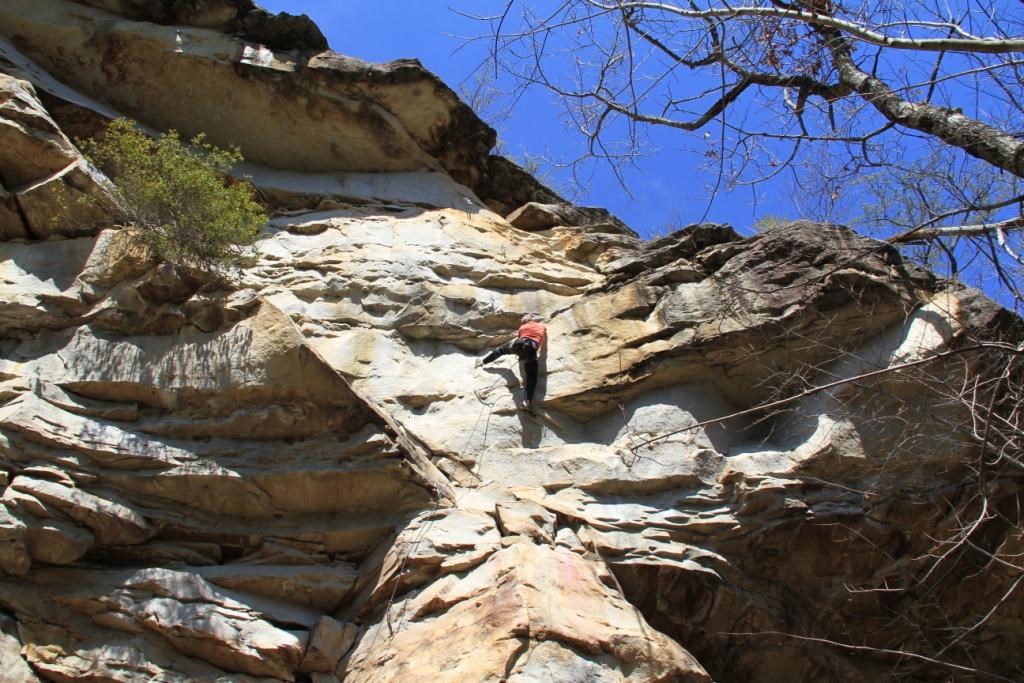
<point x="526" y="345"/>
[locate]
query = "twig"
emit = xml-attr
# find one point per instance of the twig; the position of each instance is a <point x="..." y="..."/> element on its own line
<point x="878" y="650"/>
<point x="808" y="392"/>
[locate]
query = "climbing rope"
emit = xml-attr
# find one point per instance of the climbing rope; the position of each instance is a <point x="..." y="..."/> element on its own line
<point x="428" y="522"/>
<point x="484" y="405"/>
<point x="420" y="535"/>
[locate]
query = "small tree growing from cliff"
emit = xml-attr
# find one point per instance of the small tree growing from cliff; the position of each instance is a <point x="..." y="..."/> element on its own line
<point x="177" y="197"/>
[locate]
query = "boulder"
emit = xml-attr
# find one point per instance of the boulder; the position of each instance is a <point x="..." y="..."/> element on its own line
<point x="533" y="216"/>
<point x="526" y="519"/>
<point x="329" y="641"/>
<point x="544" y="612"/>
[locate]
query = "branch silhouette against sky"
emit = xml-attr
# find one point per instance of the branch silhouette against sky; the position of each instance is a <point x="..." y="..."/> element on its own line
<point x="900" y="120"/>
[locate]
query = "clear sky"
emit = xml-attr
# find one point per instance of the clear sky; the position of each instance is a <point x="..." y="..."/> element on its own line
<point x="666" y="192"/>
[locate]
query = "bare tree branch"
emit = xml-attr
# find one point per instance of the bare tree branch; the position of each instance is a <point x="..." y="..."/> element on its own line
<point x="881" y="651"/>
<point x="878" y="89"/>
<point x="853" y="29"/>
<point x="950" y="125"/>
<point x="924" y="234"/>
<point x="823" y="387"/>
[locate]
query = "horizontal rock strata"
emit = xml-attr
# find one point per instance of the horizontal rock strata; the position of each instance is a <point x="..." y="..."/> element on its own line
<point x="749" y="458"/>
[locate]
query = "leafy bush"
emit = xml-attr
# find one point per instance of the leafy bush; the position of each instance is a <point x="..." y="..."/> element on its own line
<point x="177" y="197"/>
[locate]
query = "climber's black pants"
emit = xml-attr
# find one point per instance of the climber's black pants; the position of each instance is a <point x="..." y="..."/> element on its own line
<point x="527" y="352"/>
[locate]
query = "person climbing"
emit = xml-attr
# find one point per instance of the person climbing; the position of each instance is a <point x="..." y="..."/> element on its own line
<point x="526" y="345"/>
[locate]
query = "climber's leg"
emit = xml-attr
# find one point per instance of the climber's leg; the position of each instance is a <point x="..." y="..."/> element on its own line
<point x="528" y="355"/>
<point x="506" y="348"/>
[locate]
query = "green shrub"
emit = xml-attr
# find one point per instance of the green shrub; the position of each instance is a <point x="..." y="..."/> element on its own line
<point x="177" y="196"/>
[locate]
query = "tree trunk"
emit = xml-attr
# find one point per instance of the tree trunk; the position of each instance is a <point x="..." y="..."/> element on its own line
<point x="949" y="125"/>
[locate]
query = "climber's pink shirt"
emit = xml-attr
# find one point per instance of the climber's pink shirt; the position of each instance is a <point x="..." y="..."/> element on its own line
<point x="533" y="331"/>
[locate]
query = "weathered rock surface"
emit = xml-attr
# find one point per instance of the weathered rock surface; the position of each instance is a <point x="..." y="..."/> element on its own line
<point x="546" y="613"/>
<point x="15" y="668"/>
<point x="238" y="17"/>
<point x="46" y="186"/>
<point x="300" y="474"/>
<point x="306" y="112"/>
<point x="533" y="216"/>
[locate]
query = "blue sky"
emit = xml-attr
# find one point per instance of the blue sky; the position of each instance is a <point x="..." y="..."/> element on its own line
<point x="666" y="192"/>
<point x="668" y="186"/>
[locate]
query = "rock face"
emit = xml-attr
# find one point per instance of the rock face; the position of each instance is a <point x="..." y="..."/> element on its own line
<point x="44" y="178"/>
<point x="291" y="110"/>
<point x="754" y="458"/>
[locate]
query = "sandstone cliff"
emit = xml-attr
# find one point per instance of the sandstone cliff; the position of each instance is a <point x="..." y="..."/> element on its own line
<point x="302" y="475"/>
